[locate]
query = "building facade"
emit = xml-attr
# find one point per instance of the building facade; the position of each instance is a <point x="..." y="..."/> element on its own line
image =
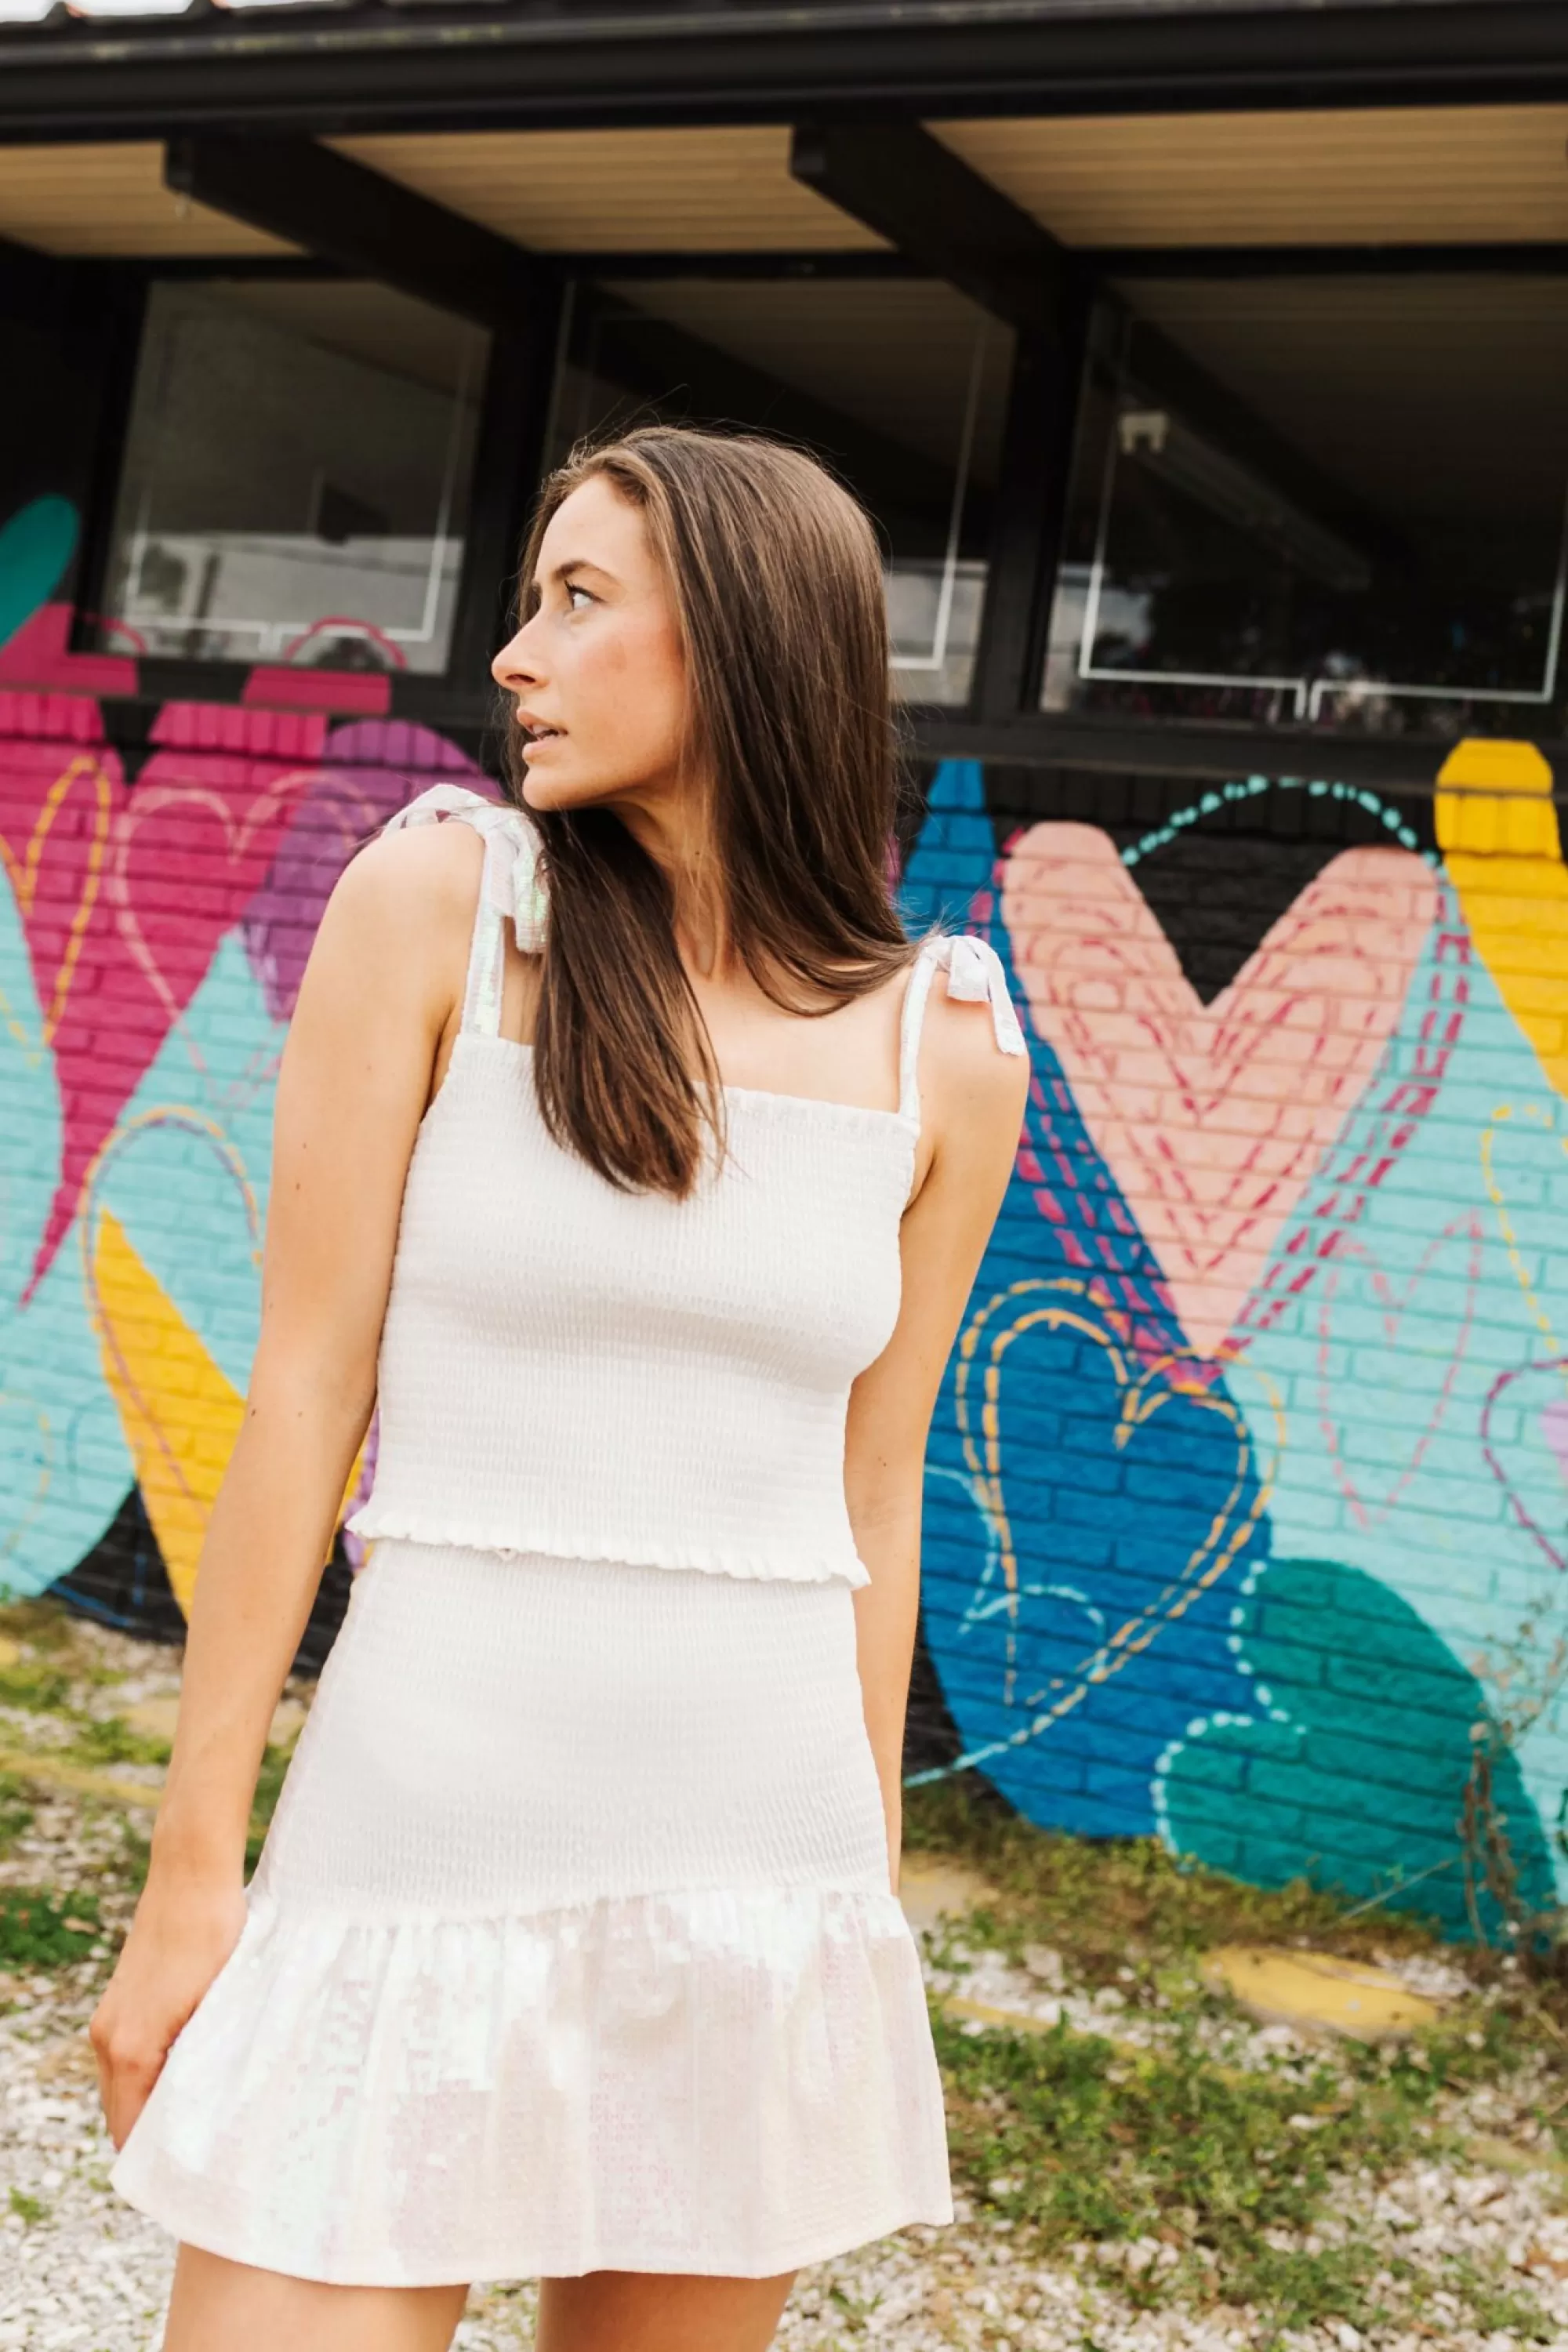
<point x="1204" y="366"/>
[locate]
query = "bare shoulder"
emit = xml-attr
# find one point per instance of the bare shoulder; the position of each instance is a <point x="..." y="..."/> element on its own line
<point x="394" y="934"/>
<point x="978" y="1091"/>
<point x="420" y="869"/>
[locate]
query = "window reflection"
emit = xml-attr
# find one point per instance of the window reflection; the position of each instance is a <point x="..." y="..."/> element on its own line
<point x="296" y="476"/>
<point x="1319" y="502"/>
<point x="899" y="382"/>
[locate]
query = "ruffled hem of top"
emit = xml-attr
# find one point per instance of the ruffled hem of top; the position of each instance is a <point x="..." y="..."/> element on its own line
<point x="372" y="1519"/>
<point x="730" y="2081"/>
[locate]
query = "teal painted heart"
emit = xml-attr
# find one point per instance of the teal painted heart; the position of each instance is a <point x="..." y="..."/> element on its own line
<point x="36" y="546"/>
<point x="1352" y="1772"/>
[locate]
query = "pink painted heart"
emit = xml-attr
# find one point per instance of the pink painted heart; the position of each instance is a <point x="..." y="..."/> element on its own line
<point x="1212" y="1119"/>
<point x="125" y="895"/>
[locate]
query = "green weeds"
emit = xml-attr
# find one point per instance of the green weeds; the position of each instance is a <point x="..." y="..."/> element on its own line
<point x="1194" y="2179"/>
<point x="1114" y="1904"/>
<point x="40" y="1930"/>
<point x="29" y="1682"/>
<point x="109" y="1739"/>
<point x="15" y="1813"/>
<point x="1207" y="2181"/>
<point x="269" y="1789"/>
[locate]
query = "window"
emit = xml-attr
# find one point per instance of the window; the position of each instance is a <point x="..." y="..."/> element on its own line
<point x="296" y="478"/>
<point x="898" y="382"/>
<point x="1320" y="502"/>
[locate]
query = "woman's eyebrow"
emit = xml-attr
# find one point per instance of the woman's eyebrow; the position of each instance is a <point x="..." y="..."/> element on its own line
<point x="563" y="570"/>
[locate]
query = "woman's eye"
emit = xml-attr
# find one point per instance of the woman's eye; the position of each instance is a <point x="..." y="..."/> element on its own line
<point x="573" y="593"/>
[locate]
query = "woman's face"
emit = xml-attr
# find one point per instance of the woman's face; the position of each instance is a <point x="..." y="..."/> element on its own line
<point x="597" y="669"/>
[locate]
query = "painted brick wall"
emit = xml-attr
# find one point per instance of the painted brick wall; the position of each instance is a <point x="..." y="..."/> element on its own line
<point x="1246" y="1493"/>
<point x="155" y="916"/>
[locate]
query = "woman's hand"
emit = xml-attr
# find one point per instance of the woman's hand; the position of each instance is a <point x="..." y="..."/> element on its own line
<point x="179" y="1939"/>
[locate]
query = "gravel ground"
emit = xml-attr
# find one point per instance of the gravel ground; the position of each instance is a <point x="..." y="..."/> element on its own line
<point x="80" y="2272"/>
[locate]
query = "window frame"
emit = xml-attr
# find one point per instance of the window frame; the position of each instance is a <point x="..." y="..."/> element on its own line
<point x="1001" y="721"/>
<point x="504" y="455"/>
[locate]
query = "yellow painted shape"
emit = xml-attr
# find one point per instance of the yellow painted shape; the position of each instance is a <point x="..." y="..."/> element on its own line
<point x="179" y="1412"/>
<point x="47" y="1771"/>
<point x="1314" y="1990"/>
<point x="932" y="1890"/>
<point x="1497" y="831"/>
<point x="54" y="1773"/>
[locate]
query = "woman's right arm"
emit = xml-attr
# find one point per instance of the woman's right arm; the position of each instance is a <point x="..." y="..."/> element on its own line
<point x="380" y="990"/>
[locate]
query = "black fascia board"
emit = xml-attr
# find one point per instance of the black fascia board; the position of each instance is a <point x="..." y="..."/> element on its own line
<point x="1214" y="752"/>
<point x="454" y="67"/>
<point x="1491" y="257"/>
<point x="1495" y="258"/>
<point x="348" y="215"/>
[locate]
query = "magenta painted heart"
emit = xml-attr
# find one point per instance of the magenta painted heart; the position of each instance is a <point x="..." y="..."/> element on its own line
<point x="1212" y="1118"/>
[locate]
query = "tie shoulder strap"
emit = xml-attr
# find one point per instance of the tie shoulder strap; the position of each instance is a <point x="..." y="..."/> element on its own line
<point x="511" y="887"/>
<point x="975" y="974"/>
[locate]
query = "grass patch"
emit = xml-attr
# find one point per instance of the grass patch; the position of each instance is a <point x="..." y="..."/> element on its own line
<point x="40" y="1930"/>
<point x="15" y="1813"/>
<point x="109" y="1739"/>
<point x="31" y="1684"/>
<point x="1217" y="2182"/>
<point x="269" y="1789"/>
<point x="31" y="2210"/>
<point x="43" y="1624"/>
<point x="1110" y="1904"/>
<point x="1199" y="2182"/>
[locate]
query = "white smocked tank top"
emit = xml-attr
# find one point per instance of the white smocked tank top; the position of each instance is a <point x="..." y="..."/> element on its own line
<point x="566" y="1368"/>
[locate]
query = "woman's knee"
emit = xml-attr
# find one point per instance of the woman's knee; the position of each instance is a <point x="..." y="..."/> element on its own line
<point x="644" y="2311"/>
<point x="219" y="2306"/>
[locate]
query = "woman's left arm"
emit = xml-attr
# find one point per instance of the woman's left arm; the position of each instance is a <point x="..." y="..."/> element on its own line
<point x="972" y="1101"/>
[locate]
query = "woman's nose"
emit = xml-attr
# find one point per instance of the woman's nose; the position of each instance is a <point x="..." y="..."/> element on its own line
<point x="514" y="666"/>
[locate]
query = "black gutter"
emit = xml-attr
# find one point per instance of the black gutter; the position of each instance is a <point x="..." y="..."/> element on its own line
<point x="461" y="68"/>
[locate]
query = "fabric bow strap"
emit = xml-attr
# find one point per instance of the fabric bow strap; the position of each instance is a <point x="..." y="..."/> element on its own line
<point x="511" y="883"/>
<point x="975" y="971"/>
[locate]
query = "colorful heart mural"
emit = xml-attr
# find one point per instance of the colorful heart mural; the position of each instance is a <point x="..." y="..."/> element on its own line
<point x="1233" y="1345"/>
<point x="152" y="935"/>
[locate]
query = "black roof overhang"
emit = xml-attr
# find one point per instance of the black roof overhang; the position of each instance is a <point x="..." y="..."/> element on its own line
<point x="467" y="66"/>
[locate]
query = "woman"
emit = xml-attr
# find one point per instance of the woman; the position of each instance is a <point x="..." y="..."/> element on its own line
<point x="574" y="1948"/>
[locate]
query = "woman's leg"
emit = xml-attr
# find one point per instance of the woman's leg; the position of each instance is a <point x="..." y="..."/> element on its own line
<point x="223" y="2306"/>
<point x="638" y="2310"/>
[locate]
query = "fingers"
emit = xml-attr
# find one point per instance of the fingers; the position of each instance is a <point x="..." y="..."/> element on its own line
<point x="128" y="2066"/>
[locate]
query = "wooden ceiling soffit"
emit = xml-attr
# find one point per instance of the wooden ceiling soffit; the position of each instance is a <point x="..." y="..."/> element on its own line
<point x="111" y="201"/>
<point x="1398" y="175"/>
<point x="724" y="189"/>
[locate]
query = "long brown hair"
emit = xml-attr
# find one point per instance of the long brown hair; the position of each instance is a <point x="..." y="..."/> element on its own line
<point x="778" y="587"/>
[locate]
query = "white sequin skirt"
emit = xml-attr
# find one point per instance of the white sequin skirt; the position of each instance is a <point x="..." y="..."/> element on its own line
<point x="571" y="1948"/>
